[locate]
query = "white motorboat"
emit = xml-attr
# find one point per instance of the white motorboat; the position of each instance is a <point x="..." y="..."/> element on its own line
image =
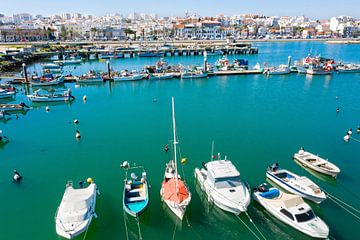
<point x="174" y="191"/>
<point x="293" y="183"/>
<point x="316" y="163"/>
<point x="51" y="97"/>
<point x="221" y="182"/>
<point x="291" y="210"/>
<point x="281" y="70"/>
<point x="162" y="76"/>
<point x="76" y="210"/>
<point x="128" y="76"/>
<point x="6" y="93"/>
<point x="348" y="68"/>
<point x="90" y="77"/>
<point x="193" y="74"/>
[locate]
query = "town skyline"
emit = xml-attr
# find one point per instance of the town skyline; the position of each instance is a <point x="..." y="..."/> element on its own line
<point x="203" y="8"/>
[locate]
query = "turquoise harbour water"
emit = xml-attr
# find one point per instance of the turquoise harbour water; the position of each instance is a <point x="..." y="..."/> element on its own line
<point x="255" y="120"/>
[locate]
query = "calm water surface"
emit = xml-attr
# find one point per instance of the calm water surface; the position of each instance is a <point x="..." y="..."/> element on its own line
<point x="254" y="120"/>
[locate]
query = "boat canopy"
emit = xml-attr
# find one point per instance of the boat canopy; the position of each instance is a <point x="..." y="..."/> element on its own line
<point x="169" y="188"/>
<point x="222" y="169"/>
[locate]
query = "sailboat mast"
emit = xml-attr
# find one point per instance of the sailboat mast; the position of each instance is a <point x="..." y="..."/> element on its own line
<point x="175" y="142"/>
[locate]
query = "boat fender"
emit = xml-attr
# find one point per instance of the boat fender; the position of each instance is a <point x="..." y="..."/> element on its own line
<point x="349" y="131"/>
<point x="89" y="180"/>
<point x="77" y="135"/>
<point x="125" y="165"/>
<point x="183" y="161"/>
<point x="346" y="138"/>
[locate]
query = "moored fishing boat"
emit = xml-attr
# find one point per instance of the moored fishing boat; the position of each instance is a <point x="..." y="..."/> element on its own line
<point x="174" y="191"/>
<point x="348" y="68"/>
<point x="90" y="77"/>
<point x="318" y="70"/>
<point x="291" y="210"/>
<point x="76" y="210"/>
<point x="46" y="80"/>
<point x="221" y="182"/>
<point x="293" y="183"/>
<point x="281" y="70"/>
<point x="162" y="76"/>
<point x="136" y="191"/>
<point x="56" y="96"/>
<point x="13" y="107"/>
<point x="128" y="76"/>
<point x="193" y="74"/>
<point x="4" y="93"/>
<point x="316" y="163"/>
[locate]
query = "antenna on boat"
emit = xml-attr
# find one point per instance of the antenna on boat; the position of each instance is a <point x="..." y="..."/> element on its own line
<point x="212" y="151"/>
<point x="175" y="142"/>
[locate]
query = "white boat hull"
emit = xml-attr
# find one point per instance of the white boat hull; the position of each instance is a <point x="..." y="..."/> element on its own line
<point x="220" y="202"/>
<point x="293" y="190"/>
<point x="128" y="78"/>
<point x="7" y="95"/>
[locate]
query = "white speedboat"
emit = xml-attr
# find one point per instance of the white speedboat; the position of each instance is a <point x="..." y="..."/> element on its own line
<point x="291" y="210"/>
<point x="281" y="70"/>
<point x="348" y="68"/>
<point x="221" y="182"/>
<point x="76" y="210"/>
<point x="162" y="76"/>
<point x="316" y="163"/>
<point x="293" y="183"/>
<point x="51" y="97"/>
<point x="174" y="191"/>
<point x="128" y="76"/>
<point x="6" y="93"/>
<point x="193" y="74"/>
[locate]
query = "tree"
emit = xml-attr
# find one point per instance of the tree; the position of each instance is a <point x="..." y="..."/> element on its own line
<point x="63" y="32"/>
<point x="93" y="30"/>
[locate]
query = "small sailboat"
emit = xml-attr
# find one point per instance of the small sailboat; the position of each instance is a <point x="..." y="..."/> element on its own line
<point x="293" y="183"/>
<point x="221" y="182"/>
<point x="136" y="191"/>
<point x="316" y="163"/>
<point x="76" y="210"/>
<point x="291" y="210"/>
<point x="174" y="191"/>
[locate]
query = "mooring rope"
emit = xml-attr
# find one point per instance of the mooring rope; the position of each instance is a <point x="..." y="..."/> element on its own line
<point x="191" y="227"/>
<point x="138" y="224"/>
<point x="262" y="235"/>
<point x="357" y="140"/>
<point x="85" y="233"/>
<point x="173" y="238"/>
<point x="342" y="206"/>
<point x="126" y="230"/>
<point x="346" y="204"/>
<point x="255" y="235"/>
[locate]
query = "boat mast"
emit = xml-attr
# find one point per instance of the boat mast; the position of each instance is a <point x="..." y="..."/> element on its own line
<point x="175" y="142"/>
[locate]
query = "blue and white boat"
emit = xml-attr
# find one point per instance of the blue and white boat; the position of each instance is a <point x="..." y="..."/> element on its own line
<point x="293" y="183"/>
<point x="136" y="191"/>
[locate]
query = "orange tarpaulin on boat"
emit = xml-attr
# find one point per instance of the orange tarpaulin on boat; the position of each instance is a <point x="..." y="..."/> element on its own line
<point x="169" y="193"/>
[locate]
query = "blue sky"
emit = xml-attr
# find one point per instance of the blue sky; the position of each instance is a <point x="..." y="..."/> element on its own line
<point x="311" y="8"/>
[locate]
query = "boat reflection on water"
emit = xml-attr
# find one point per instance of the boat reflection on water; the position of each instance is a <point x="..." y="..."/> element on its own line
<point x="168" y="214"/>
<point x="136" y="226"/>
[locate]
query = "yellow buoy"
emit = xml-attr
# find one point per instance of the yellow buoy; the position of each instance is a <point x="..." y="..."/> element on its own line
<point x="183" y="160"/>
<point x="84" y="98"/>
<point x="89" y="180"/>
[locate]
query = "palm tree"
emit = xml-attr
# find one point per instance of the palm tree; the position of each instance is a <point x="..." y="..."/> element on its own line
<point x="93" y="30"/>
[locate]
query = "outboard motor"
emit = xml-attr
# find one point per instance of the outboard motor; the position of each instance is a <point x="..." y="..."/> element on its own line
<point x="204" y="165"/>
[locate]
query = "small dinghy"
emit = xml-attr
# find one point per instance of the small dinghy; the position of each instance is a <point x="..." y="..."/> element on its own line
<point x="76" y="210"/>
<point x="13" y="107"/>
<point x="4" y="93"/>
<point x="136" y="192"/>
<point x="316" y="163"/>
<point x="221" y="182"/>
<point x="293" y="183"/>
<point x="291" y="210"/>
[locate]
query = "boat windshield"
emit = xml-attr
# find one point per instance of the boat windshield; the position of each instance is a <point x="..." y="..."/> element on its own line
<point x="229" y="182"/>
<point x="304" y="217"/>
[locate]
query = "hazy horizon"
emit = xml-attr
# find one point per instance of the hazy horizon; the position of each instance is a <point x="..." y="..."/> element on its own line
<point x="308" y="8"/>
